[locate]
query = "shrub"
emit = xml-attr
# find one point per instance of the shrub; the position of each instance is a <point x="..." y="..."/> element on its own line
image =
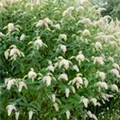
<point x="58" y="61"/>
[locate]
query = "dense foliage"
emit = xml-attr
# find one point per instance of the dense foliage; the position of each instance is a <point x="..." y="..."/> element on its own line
<point x="58" y="61"/>
<point x="112" y="7"/>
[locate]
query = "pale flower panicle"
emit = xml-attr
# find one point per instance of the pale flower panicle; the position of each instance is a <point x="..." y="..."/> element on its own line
<point x="10" y="108"/>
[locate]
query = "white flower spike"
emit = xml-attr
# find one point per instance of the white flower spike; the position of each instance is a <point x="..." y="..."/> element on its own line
<point x="31" y="74"/>
<point x="47" y="79"/>
<point x="67" y="92"/>
<point x="68" y="114"/>
<point x="21" y="85"/>
<point x="10" y="108"/>
<point x="30" y="114"/>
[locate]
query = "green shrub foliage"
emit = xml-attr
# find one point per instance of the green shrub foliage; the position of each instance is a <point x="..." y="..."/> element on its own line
<point x="57" y="61"/>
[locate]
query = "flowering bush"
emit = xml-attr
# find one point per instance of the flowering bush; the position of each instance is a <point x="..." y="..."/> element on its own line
<point x="58" y="61"/>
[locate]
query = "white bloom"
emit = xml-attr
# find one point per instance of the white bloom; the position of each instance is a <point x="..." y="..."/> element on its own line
<point x="114" y="87"/>
<point x="91" y="115"/>
<point x="1" y="5"/>
<point x="70" y="8"/>
<point x="38" y="43"/>
<point x="102" y="75"/>
<point x="106" y="96"/>
<point x="6" y="80"/>
<point x="75" y="67"/>
<point x="98" y="45"/>
<point x="113" y="43"/>
<point x="11" y="27"/>
<point x="22" y="37"/>
<point x="10" y="83"/>
<point x="117" y="34"/>
<point x="17" y="115"/>
<point x="99" y="60"/>
<point x="21" y="85"/>
<point x="68" y="114"/>
<point x="100" y="9"/>
<point x="85" y="21"/>
<point x="67" y="92"/>
<point x="86" y="82"/>
<point x="30" y="114"/>
<point x="56" y="106"/>
<point x="85" y="101"/>
<point x="39" y="23"/>
<point x="80" y="9"/>
<point x="6" y="53"/>
<point x="109" y="38"/>
<point x="80" y="57"/>
<point x="111" y="59"/>
<point x="115" y="65"/>
<point x="68" y="11"/>
<point x="63" y="48"/>
<point x="94" y="117"/>
<point x="32" y="74"/>
<point x="63" y="36"/>
<point x="57" y="26"/>
<point x="63" y="76"/>
<point x="54" y="118"/>
<point x="94" y="101"/>
<point x="86" y="33"/>
<point x="64" y="63"/>
<point x="78" y="80"/>
<point x="10" y="108"/>
<point x="47" y="79"/>
<point x="53" y="97"/>
<point x="51" y="68"/>
<point x="13" y="52"/>
<point x="99" y="23"/>
<point x="73" y="89"/>
<point x="84" y="1"/>
<point x="115" y="72"/>
<point x="47" y="21"/>
<point x="102" y="85"/>
<point x="1" y="34"/>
